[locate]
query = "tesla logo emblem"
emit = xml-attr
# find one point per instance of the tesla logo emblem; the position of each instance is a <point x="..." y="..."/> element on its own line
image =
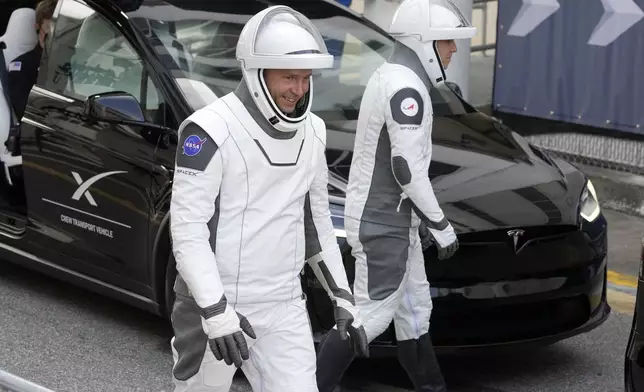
<point x="515" y="234"/>
<point x="83" y="189"/>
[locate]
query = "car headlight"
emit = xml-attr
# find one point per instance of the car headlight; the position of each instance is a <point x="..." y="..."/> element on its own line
<point x="589" y="204"/>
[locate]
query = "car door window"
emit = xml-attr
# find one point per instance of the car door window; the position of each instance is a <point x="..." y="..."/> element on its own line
<point x="89" y="55"/>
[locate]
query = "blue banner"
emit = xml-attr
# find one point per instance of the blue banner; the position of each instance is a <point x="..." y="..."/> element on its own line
<point x="578" y="61"/>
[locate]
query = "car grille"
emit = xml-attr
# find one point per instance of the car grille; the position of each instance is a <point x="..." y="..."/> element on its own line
<point x="465" y="326"/>
<point x="491" y="256"/>
<point x="534" y="234"/>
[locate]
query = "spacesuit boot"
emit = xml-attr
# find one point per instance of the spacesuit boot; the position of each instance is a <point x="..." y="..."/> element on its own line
<point x="417" y="357"/>
<point x="334" y="359"/>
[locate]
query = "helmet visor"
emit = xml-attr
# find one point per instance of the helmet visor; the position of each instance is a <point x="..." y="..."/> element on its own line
<point x="431" y="20"/>
<point x="286" y="39"/>
<point x="446" y="21"/>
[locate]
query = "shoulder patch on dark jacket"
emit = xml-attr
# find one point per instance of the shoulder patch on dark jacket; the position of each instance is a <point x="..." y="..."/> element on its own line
<point x="195" y="148"/>
<point x="407" y="107"/>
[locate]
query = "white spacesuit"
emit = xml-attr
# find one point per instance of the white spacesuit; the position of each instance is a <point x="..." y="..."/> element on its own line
<point x="390" y="197"/>
<point x="19" y="39"/>
<point x="249" y="207"/>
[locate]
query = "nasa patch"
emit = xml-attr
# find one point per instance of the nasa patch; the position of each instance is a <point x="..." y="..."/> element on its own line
<point x="195" y="150"/>
<point x="192" y="145"/>
<point x="407" y="107"/>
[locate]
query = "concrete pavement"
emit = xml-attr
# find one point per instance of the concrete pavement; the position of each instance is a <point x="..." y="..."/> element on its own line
<point x="70" y="340"/>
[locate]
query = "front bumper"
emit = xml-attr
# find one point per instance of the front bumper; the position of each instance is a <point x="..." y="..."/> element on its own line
<point x="490" y="297"/>
<point x="538" y="319"/>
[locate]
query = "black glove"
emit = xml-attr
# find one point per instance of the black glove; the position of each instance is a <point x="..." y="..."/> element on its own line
<point x="350" y="327"/>
<point x="427" y="238"/>
<point x="226" y="336"/>
<point x="447" y="252"/>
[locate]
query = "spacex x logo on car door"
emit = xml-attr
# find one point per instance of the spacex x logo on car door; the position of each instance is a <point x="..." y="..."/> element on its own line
<point x="83" y="190"/>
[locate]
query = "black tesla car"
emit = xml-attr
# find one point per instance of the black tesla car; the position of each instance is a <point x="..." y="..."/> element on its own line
<point x="90" y="203"/>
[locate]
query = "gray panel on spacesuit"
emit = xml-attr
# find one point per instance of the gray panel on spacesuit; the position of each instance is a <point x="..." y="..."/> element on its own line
<point x="215" y="309"/>
<point x="386" y="249"/>
<point x="195" y="148"/>
<point x="212" y="225"/>
<point x="441" y="225"/>
<point x="181" y="289"/>
<point x="180" y="286"/>
<point x="407" y="107"/>
<point x="382" y="201"/>
<point x="244" y="96"/>
<point x="270" y="161"/>
<point x="401" y="170"/>
<point x="311" y="240"/>
<point x="335" y="290"/>
<point x="404" y="56"/>
<point x="384" y="230"/>
<point x="313" y="247"/>
<point x="190" y="341"/>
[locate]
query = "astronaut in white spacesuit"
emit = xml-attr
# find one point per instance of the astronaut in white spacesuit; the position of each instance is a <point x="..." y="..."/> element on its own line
<point x="390" y="198"/>
<point x="249" y="208"/>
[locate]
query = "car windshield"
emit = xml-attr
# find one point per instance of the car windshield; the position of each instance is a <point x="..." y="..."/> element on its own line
<point x="198" y="48"/>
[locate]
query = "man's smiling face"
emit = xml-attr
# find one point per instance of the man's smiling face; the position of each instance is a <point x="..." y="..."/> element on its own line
<point x="287" y="86"/>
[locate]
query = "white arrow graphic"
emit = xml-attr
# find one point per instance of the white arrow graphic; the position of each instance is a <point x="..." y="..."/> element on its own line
<point x="531" y="15"/>
<point x="619" y="16"/>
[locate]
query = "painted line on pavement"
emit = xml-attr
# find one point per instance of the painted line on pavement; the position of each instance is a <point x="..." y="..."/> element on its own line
<point x="621" y="293"/>
<point x="622" y="280"/>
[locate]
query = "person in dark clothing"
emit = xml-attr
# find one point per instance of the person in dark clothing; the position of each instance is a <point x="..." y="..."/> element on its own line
<point x="23" y="70"/>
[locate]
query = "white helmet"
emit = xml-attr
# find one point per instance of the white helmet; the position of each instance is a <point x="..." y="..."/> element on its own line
<point x="418" y="24"/>
<point x="280" y="38"/>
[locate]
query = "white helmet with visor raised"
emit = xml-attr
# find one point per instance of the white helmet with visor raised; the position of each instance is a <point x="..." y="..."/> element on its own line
<point x="419" y="24"/>
<point x="280" y="38"/>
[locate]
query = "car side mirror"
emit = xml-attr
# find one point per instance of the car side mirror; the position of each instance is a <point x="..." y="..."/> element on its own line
<point x="114" y="107"/>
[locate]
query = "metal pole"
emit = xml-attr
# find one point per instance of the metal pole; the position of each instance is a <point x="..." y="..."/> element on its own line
<point x="484" y="26"/>
<point x="459" y="68"/>
<point x="14" y="383"/>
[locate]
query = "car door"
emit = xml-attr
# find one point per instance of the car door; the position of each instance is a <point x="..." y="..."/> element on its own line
<point x="88" y="181"/>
